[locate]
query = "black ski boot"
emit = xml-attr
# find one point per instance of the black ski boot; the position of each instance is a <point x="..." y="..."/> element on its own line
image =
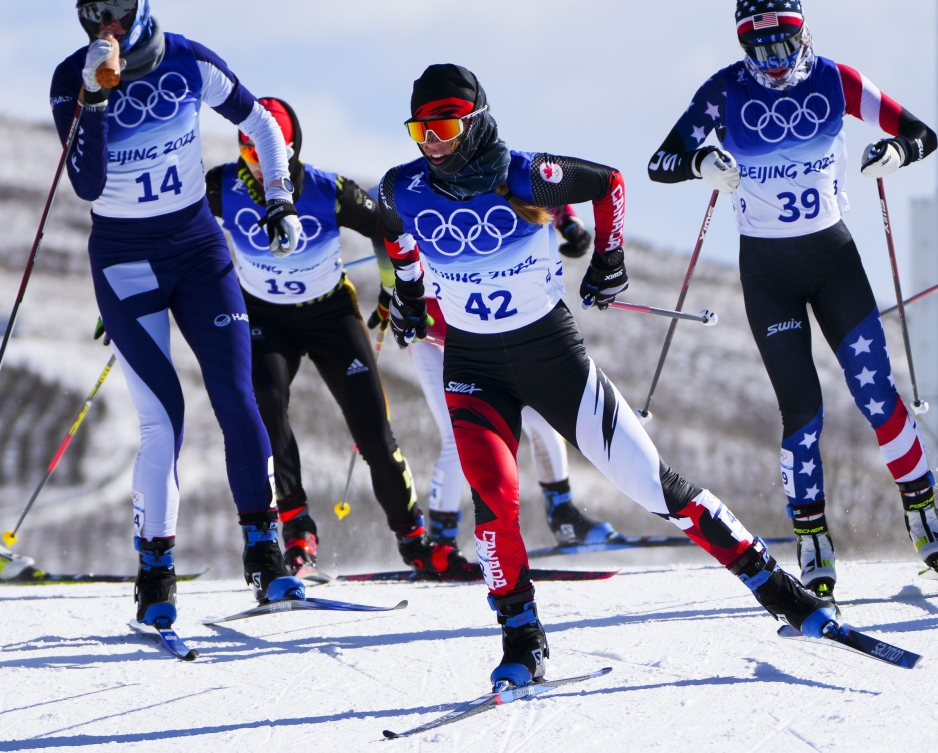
<point x="264" y="569"/>
<point x="921" y="520"/>
<point x="300" y="543"/>
<point x="815" y="548"/>
<point x="430" y="559"/>
<point x="524" y="642"/>
<point x="155" y="587"/>
<point x="781" y="594"/>
<point x="567" y="523"/>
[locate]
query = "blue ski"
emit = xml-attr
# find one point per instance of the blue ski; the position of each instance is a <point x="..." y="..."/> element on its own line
<point x="168" y="639"/>
<point x="620" y="541"/>
<point x="493" y="700"/>
<point x="853" y="640"/>
<point x="290" y="605"/>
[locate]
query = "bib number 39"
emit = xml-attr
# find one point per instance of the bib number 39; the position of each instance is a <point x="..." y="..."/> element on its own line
<point x="476" y="306"/>
<point x="810" y="201"/>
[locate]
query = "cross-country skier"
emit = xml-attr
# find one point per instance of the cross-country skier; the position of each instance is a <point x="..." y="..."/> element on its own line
<point x="305" y="305"/>
<point x="156" y="248"/>
<point x="778" y="115"/>
<point x="478" y="212"/>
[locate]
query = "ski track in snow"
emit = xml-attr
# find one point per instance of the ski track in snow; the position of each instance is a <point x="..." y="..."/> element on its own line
<point x="696" y="666"/>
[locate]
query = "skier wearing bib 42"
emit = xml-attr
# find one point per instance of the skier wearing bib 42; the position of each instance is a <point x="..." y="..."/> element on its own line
<point x="155" y="248"/>
<point x="305" y="305"/>
<point x="778" y="114"/>
<point x="478" y="213"/>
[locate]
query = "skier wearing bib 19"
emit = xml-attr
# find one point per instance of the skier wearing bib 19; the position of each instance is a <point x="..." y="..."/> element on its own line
<point x="478" y="212"/>
<point x="305" y="305"/>
<point x="156" y="248"/>
<point x="778" y="114"/>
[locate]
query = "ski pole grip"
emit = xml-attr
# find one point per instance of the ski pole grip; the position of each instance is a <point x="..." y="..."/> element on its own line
<point x="109" y="72"/>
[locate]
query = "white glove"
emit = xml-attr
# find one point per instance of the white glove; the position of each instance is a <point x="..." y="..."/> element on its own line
<point x="718" y="169"/>
<point x="98" y="52"/>
<point x="882" y="159"/>
<point x="290" y="229"/>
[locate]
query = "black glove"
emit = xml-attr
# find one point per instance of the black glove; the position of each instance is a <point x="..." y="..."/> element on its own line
<point x="577" y="239"/>
<point x="408" y="312"/>
<point x="382" y="311"/>
<point x="604" y="279"/>
<point x="283" y="228"/>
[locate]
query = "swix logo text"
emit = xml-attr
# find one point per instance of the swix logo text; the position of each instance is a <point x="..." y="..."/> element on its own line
<point x="784" y="327"/>
<point x="463" y="389"/>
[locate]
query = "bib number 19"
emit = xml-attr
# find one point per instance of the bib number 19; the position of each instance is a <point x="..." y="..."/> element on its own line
<point x="476" y="306"/>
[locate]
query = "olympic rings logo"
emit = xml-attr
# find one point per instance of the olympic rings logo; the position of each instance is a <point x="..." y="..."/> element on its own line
<point x="246" y="221"/>
<point x="141" y="98"/>
<point x="787" y="116"/>
<point x="469" y="232"/>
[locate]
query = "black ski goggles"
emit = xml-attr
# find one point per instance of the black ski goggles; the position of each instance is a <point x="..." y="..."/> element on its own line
<point x="775" y="55"/>
<point x="105" y="11"/>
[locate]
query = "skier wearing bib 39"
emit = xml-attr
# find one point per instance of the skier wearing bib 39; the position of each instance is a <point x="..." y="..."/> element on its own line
<point x="778" y="114"/>
<point x="155" y="248"/>
<point x="478" y="212"/>
<point x="305" y="305"/>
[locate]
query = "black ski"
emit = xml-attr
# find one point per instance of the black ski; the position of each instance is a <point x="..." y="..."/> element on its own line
<point x="290" y="605"/>
<point x="619" y="541"/>
<point x="493" y="700"/>
<point x="168" y="639"/>
<point x="474" y="576"/>
<point x="33" y="577"/>
<point x="853" y="640"/>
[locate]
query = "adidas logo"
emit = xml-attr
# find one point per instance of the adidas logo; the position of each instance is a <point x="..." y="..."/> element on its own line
<point x="357" y="367"/>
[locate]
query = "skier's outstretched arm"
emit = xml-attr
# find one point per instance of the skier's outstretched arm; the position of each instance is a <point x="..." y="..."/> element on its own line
<point x="680" y="155"/>
<point x="911" y="139"/>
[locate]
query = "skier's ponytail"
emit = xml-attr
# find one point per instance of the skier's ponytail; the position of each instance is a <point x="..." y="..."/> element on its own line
<point x="527" y="212"/>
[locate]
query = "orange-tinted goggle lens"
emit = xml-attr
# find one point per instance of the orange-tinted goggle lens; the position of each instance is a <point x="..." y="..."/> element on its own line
<point x="446" y="129"/>
<point x="249" y="154"/>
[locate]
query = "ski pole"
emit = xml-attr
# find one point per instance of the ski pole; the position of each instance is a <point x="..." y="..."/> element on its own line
<point x="915" y="298"/>
<point x="918" y="405"/>
<point x="706" y="317"/>
<point x="73" y="130"/>
<point x="342" y="507"/>
<point x="359" y="262"/>
<point x="644" y="415"/>
<point x="9" y="538"/>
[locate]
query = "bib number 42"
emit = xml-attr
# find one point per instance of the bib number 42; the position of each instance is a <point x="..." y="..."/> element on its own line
<point x="476" y="306"/>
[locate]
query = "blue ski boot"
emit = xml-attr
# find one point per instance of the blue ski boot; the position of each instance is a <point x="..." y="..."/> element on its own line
<point x="567" y="523"/>
<point x="155" y="587"/>
<point x="782" y="595"/>
<point x="264" y="568"/>
<point x="524" y="642"/>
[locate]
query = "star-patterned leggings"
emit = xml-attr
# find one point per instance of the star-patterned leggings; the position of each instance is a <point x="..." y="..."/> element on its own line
<point x="780" y="276"/>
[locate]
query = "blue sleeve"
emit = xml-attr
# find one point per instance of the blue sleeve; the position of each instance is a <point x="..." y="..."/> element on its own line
<point x="519" y="176"/>
<point x="223" y="92"/>
<point x="671" y="163"/>
<point x="87" y="163"/>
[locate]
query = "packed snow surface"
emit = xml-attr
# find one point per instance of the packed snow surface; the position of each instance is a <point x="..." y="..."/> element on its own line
<point x="696" y="667"/>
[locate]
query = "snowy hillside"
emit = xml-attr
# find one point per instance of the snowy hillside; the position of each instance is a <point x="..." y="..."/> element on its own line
<point x="715" y="415"/>
<point x="696" y="667"/>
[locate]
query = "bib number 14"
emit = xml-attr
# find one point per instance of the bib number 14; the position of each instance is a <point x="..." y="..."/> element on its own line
<point x="170" y="184"/>
<point x="476" y="306"/>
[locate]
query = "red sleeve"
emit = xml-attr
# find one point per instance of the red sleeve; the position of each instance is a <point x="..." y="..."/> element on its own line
<point x="609" y="215"/>
<point x="866" y="102"/>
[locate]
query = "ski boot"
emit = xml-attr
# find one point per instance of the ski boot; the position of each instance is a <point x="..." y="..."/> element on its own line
<point x="13" y="566"/>
<point x="431" y="559"/>
<point x="781" y="595"/>
<point x="264" y="568"/>
<point x="524" y="642"/>
<point x="568" y="524"/>
<point x="577" y="239"/>
<point x="155" y="587"/>
<point x="300" y="544"/>
<point x="921" y="520"/>
<point x="815" y="549"/>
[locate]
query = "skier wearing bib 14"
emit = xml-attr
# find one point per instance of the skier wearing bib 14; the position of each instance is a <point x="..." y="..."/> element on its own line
<point x="155" y="248"/>
<point x="778" y="114"/>
<point x="478" y="213"/>
<point x="304" y="305"/>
